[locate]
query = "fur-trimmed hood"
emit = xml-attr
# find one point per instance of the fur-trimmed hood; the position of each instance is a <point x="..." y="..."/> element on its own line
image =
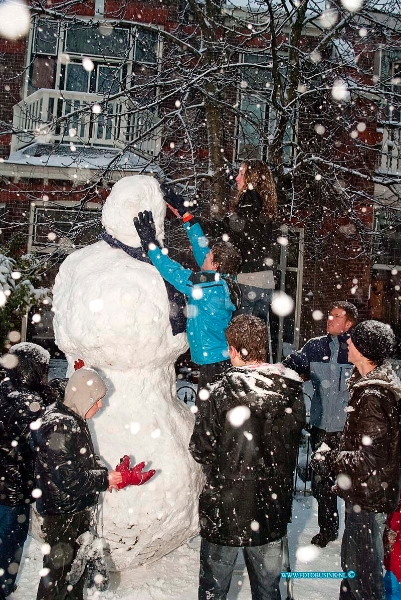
<point x="382" y="376"/>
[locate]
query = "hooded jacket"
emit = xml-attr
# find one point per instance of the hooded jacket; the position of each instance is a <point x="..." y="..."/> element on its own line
<point x="248" y="435"/>
<point x="21" y="405"/>
<point x="253" y="233"/>
<point x="369" y="454"/>
<point x="67" y="470"/>
<point x="210" y="298"/>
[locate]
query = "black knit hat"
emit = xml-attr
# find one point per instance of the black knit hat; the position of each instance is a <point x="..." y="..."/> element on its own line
<point x="374" y="340"/>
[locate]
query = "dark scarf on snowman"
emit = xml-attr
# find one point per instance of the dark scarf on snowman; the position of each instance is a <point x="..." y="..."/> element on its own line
<point x="176" y="299"/>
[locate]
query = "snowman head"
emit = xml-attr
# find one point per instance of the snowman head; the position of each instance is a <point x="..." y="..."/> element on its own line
<point x="128" y="197"/>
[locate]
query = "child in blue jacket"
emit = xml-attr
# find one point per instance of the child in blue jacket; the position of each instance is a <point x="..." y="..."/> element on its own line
<point x="212" y="293"/>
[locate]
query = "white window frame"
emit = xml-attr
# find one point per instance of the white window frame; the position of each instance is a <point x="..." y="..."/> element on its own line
<point x="52" y="246"/>
<point x="76" y="58"/>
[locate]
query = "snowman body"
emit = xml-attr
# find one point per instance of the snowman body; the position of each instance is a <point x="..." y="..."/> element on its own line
<point x="112" y="311"/>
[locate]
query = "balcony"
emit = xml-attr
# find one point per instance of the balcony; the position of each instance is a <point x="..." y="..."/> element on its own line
<point x="54" y="116"/>
<point x="389" y="160"/>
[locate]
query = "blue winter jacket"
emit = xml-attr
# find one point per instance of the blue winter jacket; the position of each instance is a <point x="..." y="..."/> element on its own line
<point x="209" y="304"/>
<point x="328" y="375"/>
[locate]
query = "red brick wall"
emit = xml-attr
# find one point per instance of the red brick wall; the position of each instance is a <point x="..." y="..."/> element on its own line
<point x="11" y="82"/>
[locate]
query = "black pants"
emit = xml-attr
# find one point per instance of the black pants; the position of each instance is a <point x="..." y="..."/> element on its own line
<point x="327" y="513"/>
<point x="61" y="533"/>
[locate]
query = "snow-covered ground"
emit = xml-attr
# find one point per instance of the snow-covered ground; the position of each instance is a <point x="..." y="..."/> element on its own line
<point x="175" y="577"/>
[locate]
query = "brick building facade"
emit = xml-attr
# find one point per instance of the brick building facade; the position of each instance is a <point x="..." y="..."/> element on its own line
<point x="44" y="178"/>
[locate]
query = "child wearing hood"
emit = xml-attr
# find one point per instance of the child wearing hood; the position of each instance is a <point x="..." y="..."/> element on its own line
<point x="70" y="477"/>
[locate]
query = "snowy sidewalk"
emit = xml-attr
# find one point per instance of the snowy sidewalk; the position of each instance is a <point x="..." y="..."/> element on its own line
<point x="175" y="577"/>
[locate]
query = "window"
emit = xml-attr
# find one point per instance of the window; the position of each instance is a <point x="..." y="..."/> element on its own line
<point x="394" y="108"/>
<point x="388" y="69"/>
<point x="46" y="36"/>
<point x="89" y="40"/>
<point x="257" y="117"/>
<point x="254" y="85"/>
<point x="3" y="222"/>
<point x="343" y="53"/>
<point x="387" y="239"/>
<point x="58" y="50"/>
<point x="63" y="226"/>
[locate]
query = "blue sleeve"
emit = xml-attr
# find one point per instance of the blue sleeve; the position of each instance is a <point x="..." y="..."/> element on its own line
<point x="172" y="271"/>
<point x="199" y="242"/>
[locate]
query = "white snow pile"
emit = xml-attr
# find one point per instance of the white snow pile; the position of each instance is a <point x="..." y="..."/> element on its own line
<point x="112" y="311"/>
<point x="11" y="282"/>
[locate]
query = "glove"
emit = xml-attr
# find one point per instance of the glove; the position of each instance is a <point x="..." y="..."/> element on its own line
<point x="138" y="477"/>
<point x="321" y="460"/>
<point x="124" y="464"/>
<point x="133" y="476"/>
<point x="177" y="203"/>
<point x="145" y="227"/>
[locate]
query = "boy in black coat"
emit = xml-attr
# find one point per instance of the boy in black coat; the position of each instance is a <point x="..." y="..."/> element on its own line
<point x="70" y="478"/>
<point x="247" y="439"/>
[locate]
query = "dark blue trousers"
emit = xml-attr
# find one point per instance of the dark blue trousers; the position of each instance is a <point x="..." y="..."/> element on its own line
<point x="14" y="524"/>
<point x="262" y="562"/>
<point x="362" y="553"/>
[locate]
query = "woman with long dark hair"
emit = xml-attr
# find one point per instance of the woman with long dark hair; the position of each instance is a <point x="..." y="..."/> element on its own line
<point x="250" y="227"/>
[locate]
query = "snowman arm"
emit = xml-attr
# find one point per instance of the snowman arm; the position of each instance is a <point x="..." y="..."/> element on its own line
<point x="199" y="242"/>
<point x="172" y="271"/>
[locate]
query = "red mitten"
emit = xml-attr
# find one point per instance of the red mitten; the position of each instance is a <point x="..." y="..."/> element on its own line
<point x="78" y="364"/>
<point x="137" y="477"/>
<point x="124" y="464"/>
<point x="123" y="468"/>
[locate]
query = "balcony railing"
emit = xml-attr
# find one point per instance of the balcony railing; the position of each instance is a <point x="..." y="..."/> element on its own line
<point x="390" y="156"/>
<point x="55" y="116"/>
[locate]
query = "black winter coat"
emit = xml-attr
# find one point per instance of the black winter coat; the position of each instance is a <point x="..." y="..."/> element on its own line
<point x="21" y="404"/>
<point x="248" y="495"/>
<point x="253" y="233"/>
<point x="67" y="470"/>
<point x="369" y="453"/>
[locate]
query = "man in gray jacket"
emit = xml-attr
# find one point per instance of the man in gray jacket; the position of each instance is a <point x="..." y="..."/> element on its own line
<point x="324" y="361"/>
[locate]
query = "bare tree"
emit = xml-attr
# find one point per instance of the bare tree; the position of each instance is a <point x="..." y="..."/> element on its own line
<point x="198" y="87"/>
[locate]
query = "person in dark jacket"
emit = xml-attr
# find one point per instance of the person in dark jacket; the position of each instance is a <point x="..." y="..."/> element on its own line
<point x="324" y="361"/>
<point x="70" y="478"/>
<point x="247" y="438"/>
<point x="367" y="463"/>
<point x="21" y="405"/>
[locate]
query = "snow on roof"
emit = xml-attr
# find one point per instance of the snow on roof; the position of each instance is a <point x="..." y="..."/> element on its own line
<point x="93" y="158"/>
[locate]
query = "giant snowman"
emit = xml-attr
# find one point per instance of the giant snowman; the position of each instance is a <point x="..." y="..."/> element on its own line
<point x="112" y="311"/>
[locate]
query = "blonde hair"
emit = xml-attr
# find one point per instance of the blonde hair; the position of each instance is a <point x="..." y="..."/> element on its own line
<point x="257" y="176"/>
